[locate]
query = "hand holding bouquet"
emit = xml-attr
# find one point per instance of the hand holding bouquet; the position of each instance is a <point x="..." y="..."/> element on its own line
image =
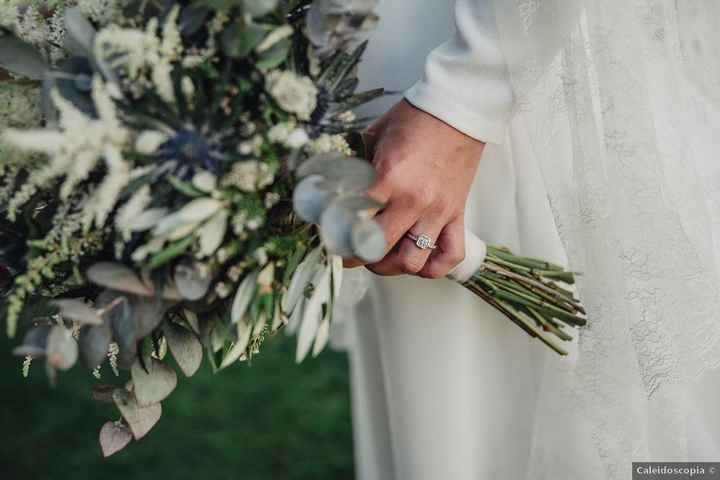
<point x="167" y="196"/>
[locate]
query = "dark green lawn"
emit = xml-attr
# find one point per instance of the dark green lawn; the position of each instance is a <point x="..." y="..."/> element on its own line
<point x="273" y="420"/>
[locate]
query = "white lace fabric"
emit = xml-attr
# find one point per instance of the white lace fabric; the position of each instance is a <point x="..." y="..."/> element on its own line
<point x="622" y="102"/>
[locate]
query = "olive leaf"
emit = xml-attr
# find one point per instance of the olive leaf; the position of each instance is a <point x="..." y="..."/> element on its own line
<point x="21" y="58"/>
<point x="140" y="419"/>
<point x="79" y="32"/>
<point x="300" y="279"/>
<point x="212" y="233"/>
<point x="243" y="297"/>
<point x="322" y="336"/>
<point x="114" y="436"/>
<point x="244" y="330"/>
<point x="155" y="384"/>
<point x="313" y="313"/>
<point x="185" y="347"/>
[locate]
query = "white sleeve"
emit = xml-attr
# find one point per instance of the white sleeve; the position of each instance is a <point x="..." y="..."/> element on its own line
<point x="466" y="83"/>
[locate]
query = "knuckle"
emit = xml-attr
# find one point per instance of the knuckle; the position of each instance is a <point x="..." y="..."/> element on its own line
<point x="411" y="265"/>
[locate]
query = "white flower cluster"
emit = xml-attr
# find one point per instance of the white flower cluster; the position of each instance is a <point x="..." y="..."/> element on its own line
<point x="294" y="93"/>
<point x="249" y="176"/>
<point x="37" y="27"/>
<point x="75" y="151"/>
<point x="102" y="12"/>
<point x="138" y="52"/>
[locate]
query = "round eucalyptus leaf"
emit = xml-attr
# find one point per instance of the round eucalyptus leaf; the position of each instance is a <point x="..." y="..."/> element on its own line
<point x="94" y="344"/>
<point x="75" y="309"/>
<point x="368" y="240"/>
<point x="35" y="342"/>
<point x="185" y="347"/>
<point x="148" y="314"/>
<point x="140" y="419"/>
<point x="191" y="283"/>
<point x="338" y="220"/>
<point x="155" y="384"/>
<point x="118" y="277"/>
<point x="310" y="199"/>
<point x="62" y="349"/>
<point x="350" y="174"/>
<point x="114" y="436"/>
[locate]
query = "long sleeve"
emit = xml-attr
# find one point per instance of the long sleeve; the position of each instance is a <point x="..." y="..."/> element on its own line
<point x="466" y="83"/>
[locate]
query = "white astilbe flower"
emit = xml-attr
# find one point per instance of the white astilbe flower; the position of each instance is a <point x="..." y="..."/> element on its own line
<point x="75" y="148"/>
<point x="330" y="143"/>
<point x="31" y="27"/>
<point x="132" y="209"/>
<point x="294" y="93"/>
<point x="249" y="176"/>
<point x="102" y="12"/>
<point x="140" y="52"/>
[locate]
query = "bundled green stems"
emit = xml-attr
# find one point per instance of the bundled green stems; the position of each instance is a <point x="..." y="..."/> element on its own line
<point x="532" y="293"/>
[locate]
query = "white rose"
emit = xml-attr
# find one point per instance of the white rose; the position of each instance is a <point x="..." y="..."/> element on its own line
<point x="295" y="94"/>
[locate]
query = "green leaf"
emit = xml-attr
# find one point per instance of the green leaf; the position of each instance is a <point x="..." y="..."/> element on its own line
<point x="239" y="40"/>
<point x="275" y="56"/>
<point x="174" y="250"/>
<point x="184" y="187"/>
<point x="116" y="276"/>
<point x="258" y="8"/>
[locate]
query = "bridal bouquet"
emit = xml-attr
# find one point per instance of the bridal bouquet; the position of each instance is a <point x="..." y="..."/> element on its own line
<point x="178" y="176"/>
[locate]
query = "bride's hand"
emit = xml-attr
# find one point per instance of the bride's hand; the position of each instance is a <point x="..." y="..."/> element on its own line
<point x="425" y="169"/>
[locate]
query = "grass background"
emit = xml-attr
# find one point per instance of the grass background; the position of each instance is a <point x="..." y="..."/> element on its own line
<point x="271" y="420"/>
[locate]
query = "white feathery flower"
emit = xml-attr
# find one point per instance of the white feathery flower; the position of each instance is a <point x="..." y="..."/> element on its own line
<point x="330" y="143"/>
<point x="106" y="195"/>
<point x="163" y="82"/>
<point x="76" y="147"/>
<point x="294" y="93"/>
<point x="102" y="12"/>
<point x="188" y="88"/>
<point x="132" y="209"/>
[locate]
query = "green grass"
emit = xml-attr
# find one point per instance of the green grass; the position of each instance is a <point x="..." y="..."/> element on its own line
<point x="272" y="420"/>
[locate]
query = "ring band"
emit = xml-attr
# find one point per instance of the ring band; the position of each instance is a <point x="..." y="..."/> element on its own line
<point x="422" y="241"/>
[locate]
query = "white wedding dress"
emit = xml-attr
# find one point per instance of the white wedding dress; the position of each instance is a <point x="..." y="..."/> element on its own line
<point x="443" y="387"/>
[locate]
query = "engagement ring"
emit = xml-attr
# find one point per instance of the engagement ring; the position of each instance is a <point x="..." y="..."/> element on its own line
<point x="422" y="241"/>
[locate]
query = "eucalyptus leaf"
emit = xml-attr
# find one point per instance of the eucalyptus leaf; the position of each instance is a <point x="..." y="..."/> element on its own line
<point x="368" y="240"/>
<point x="76" y="309"/>
<point x="140" y="419"/>
<point x="21" y="58"/>
<point x="114" y="436"/>
<point x="148" y="313"/>
<point x="155" y="385"/>
<point x="118" y="277"/>
<point x="185" y="347"/>
<point x="349" y="174"/>
<point x="310" y="199"/>
<point x="192" y="284"/>
<point x="94" y="343"/>
<point x="35" y="342"/>
<point x="62" y="349"/>
<point x="239" y="40"/>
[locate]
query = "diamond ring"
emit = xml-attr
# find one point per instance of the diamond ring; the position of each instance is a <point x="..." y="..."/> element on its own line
<point x="422" y="241"/>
